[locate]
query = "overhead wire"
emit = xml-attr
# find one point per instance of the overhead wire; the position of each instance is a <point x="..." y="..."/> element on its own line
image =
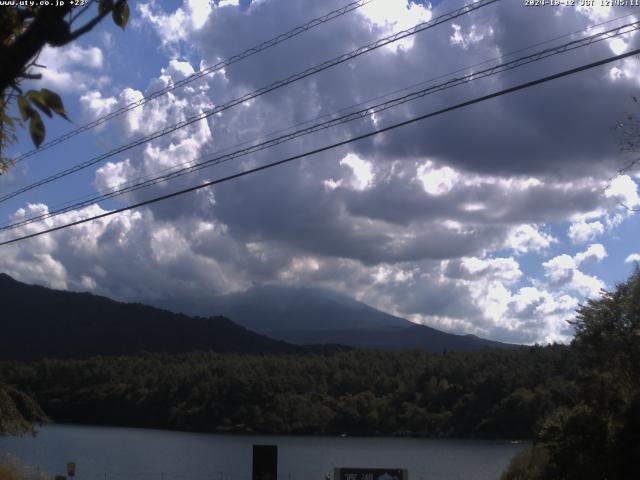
<point x="631" y="144"/>
<point x="283" y="37"/>
<point x="331" y="114"/>
<point x="355" y="115"/>
<point x="250" y="96"/>
<point x="622" y="171"/>
<point x="519" y="87"/>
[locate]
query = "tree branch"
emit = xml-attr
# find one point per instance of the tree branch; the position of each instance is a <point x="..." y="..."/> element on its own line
<point x="48" y="27"/>
<point x="87" y="27"/>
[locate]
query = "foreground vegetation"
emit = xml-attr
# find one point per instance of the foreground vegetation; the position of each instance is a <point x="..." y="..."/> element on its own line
<point x="597" y="435"/>
<point x="12" y="469"/>
<point x="19" y="412"/>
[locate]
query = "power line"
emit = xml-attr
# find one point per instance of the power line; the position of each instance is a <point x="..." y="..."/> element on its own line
<point x="394" y="126"/>
<point x="631" y="132"/>
<point x="623" y="171"/>
<point x="75" y="203"/>
<point x="250" y="96"/>
<point x="197" y="75"/>
<point x="359" y="114"/>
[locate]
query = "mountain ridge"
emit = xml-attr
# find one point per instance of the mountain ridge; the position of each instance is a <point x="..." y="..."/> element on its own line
<point x="38" y="322"/>
<point x="303" y="315"/>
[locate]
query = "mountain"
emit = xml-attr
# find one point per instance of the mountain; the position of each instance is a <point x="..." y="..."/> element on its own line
<point x="268" y="309"/>
<point x="313" y="316"/>
<point x="38" y="322"/>
<point x="392" y="339"/>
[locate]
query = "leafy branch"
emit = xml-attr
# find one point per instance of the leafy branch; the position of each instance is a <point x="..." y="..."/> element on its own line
<point x="24" y="32"/>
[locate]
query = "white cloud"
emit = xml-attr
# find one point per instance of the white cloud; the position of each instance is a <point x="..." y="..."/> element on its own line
<point x="634" y="257"/>
<point x="465" y="40"/>
<point x="528" y="238"/>
<point x="595" y="253"/>
<point x="127" y="256"/>
<point x="503" y="269"/>
<point x="560" y="269"/>
<point x="362" y="171"/>
<point x="436" y="180"/>
<point x="72" y="68"/>
<point x="581" y="232"/>
<point x="563" y="272"/>
<point x="180" y="24"/>
<point x="395" y="15"/>
<point x="96" y="105"/>
<point x="625" y="190"/>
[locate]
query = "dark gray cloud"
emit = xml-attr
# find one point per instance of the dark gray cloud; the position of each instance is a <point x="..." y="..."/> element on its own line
<point x="413" y="224"/>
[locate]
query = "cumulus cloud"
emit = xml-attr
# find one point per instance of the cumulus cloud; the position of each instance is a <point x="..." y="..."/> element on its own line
<point x="625" y="190"/>
<point x="634" y="257"/>
<point x="72" y="68"/>
<point x="440" y="222"/>
<point x="474" y="35"/>
<point x="562" y="271"/>
<point x="581" y="232"/>
<point x="178" y="25"/>
<point x="436" y="181"/>
<point x="528" y="238"/>
<point x="595" y="253"/>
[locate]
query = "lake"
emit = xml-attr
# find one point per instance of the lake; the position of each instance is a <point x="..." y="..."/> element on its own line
<point x="114" y="453"/>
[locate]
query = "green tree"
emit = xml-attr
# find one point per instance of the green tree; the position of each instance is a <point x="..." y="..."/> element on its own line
<point x="598" y="436"/>
<point x="24" y="32"/>
<point x="19" y="413"/>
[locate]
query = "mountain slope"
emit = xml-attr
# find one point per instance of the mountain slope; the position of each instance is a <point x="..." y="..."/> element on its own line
<point x="38" y="322"/>
<point x="392" y="339"/>
<point x="270" y="309"/>
<point x="312" y="316"/>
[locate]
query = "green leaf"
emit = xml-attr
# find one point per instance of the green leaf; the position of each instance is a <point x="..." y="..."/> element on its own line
<point x="37" y="98"/>
<point x="54" y="102"/>
<point x="36" y="128"/>
<point x="120" y="14"/>
<point x="104" y="6"/>
<point x="6" y="119"/>
<point x="26" y="110"/>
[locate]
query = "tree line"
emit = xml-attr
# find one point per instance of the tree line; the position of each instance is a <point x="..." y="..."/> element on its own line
<point x="580" y="402"/>
<point x="492" y="392"/>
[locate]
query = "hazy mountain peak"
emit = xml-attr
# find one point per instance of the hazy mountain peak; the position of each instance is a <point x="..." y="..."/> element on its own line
<point x="271" y="308"/>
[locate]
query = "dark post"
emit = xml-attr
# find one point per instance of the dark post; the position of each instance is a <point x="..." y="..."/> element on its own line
<point x="265" y="462"/>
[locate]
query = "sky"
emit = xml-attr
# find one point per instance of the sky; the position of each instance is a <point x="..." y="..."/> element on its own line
<point x="498" y="219"/>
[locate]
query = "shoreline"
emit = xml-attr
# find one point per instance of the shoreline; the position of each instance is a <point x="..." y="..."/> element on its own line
<point x="239" y="433"/>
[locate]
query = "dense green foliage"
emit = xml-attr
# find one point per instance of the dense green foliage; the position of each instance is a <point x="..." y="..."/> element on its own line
<point x="18" y="411"/>
<point x="485" y="393"/>
<point x="597" y="436"/>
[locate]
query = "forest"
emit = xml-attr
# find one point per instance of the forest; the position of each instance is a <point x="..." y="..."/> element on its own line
<point x="486" y="393"/>
<point x="580" y="403"/>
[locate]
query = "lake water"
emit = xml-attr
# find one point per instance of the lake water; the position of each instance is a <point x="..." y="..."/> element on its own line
<point x="139" y="454"/>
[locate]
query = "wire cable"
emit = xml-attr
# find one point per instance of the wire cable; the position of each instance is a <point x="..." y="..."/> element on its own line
<point x="197" y="75"/>
<point x="135" y="181"/>
<point x="378" y="131"/>
<point x="356" y="115"/>
<point x="250" y="96"/>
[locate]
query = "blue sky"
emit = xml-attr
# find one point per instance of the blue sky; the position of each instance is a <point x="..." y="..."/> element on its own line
<point x="491" y="221"/>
